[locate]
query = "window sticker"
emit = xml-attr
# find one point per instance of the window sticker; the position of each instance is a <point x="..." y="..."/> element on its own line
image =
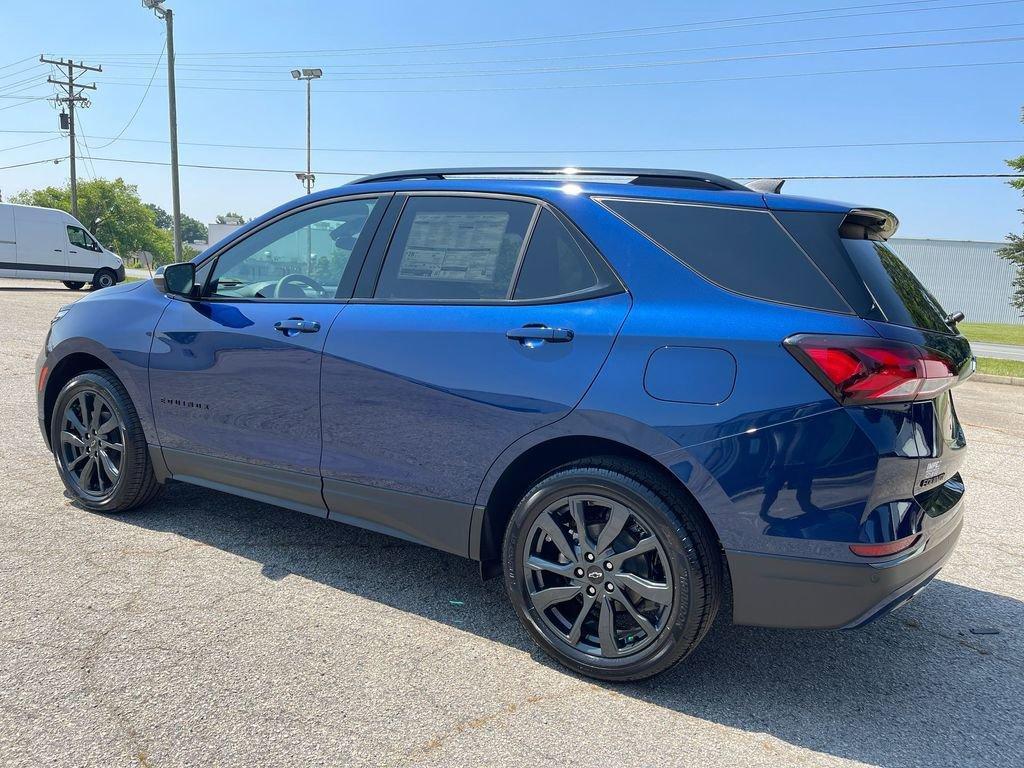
<point x="454" y="246"/>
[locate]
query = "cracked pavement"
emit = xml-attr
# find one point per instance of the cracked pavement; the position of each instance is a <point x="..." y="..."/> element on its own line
<point x="207" y="629"/>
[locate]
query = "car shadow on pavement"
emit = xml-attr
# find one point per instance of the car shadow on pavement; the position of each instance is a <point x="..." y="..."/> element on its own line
<point x="915" y="688"/>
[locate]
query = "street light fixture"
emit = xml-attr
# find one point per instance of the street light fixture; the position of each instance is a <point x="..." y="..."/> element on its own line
<point x="309" y="75"/>
<point x="167" y="16"/>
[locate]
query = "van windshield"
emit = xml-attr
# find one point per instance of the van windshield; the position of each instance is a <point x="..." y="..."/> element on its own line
<point x="897" y="292"/>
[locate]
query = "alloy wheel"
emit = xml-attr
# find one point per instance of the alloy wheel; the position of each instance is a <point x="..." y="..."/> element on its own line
<point x="597" y="575"/>
<point x="92" y="444"/>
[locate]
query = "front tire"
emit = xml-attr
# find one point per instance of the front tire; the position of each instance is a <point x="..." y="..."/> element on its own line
<point x="104" y="278"/>
<point x="99" y="445"/>
<point x="631" y="595"/>
<point x="73" y="285"/>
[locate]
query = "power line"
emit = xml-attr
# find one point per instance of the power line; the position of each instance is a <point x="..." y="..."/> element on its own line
<point x="276" y="68"/>
<point x="646" y="64"/>
<point x="911" y="177"/>
<point x="141" y="101"/>
<point x="16" y="63"/>
<point x="631" y="84"/>
<point x="578" y="151"/>
<point x="29" y="144"/>
<point x="702" y="26"/>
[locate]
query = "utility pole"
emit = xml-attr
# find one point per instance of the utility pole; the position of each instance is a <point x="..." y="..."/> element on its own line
<point x="72" y="95"/>
<point x="309" y="75"/>
<point x="157" y="6"/>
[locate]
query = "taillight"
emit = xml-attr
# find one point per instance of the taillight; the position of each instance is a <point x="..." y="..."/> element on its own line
<point x="862" y="370"/>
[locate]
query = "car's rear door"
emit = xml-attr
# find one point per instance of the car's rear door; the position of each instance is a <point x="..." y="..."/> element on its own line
<point x="488" y="318"/>
<point x="235" y="372"/>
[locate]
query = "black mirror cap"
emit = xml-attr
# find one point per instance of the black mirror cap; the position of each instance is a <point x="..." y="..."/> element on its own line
<point x="178" y="279"/>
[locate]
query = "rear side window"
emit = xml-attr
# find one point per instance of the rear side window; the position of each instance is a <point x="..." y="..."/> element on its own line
<point x="897" y="292"/>
<point x="452" y="248"/>
<point x="555" y="264"/>
<point x="741" y="250"/>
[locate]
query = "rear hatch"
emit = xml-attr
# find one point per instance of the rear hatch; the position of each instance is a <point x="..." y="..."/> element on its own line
<point x="850" y="249"/>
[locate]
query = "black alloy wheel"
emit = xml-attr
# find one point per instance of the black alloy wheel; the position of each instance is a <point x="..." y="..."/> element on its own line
<point x="612" y="569"/>
<point x="99" y="445"/>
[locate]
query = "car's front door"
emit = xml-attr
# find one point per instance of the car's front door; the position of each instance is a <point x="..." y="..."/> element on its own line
<point x="235" y="371"/>
<point x="490" y="318"/>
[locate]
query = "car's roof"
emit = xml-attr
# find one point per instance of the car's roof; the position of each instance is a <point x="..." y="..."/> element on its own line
<point x="554" y="188"/>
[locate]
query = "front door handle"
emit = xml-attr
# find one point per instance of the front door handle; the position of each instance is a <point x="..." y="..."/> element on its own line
<point x="535" y="333"/>
<point x="295" y="325"/>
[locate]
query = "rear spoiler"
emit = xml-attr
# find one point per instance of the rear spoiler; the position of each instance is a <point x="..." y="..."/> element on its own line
<point x="868" y="224"/>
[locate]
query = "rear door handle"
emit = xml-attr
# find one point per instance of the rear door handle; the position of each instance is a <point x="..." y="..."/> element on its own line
<point x="296" y="325"/>
<point x="540" y="333"/>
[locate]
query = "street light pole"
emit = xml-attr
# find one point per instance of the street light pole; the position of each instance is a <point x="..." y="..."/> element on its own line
<point x="309" y="75"/>
<point x="309" y="135"/>
<point x="168" y="17"/>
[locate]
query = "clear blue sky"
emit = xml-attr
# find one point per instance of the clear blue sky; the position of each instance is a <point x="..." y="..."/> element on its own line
<point x="599" y="106"/>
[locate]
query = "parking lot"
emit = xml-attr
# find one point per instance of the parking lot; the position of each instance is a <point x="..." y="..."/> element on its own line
<point x="209" y="629"/>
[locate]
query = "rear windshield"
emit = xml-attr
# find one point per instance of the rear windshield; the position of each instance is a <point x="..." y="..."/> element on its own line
<point x="897" y="292"/>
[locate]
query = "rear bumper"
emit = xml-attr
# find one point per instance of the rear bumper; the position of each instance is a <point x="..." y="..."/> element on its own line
<point x="791" y="592"/>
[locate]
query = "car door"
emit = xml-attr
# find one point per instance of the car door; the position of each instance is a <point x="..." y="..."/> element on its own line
<point x="235" y="371"/>
<point x="42" y="243"/>
<point x="83" y="253"/>
<point x="489" y="319"/>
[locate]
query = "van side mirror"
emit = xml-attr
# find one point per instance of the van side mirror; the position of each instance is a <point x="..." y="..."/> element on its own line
<point x="177" y="279"/>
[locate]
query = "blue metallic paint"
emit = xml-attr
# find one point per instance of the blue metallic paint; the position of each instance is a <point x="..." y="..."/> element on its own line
<point x="434" y="401"/>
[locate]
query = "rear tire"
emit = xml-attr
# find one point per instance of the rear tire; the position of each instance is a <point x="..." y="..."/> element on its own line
<point x="104" y="278"/>
<point x="73" y="285"/>
<point x="99" y="445"/>
<point x="640" y="591"/>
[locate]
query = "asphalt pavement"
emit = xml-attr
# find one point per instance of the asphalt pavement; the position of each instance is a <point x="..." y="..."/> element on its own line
<point x="211" y="630"/>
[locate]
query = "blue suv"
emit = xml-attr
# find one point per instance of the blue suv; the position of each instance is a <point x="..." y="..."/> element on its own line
<point x="634" y="394"/>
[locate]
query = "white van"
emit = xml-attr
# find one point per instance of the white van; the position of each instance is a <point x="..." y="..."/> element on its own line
<point x="47" y="244"/>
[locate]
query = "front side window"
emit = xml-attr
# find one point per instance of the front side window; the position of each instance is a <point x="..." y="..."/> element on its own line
<point x="79" y="237"/>
<point x="303" y="257"/>
<point x="454" y="248"/>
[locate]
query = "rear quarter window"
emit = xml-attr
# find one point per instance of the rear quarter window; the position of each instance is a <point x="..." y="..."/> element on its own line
<point x="742" y="250"/>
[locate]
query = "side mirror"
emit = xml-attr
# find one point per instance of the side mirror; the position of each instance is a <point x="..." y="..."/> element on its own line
<point x="177" y="279"/>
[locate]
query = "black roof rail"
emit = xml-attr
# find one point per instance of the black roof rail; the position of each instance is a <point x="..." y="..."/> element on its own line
<point x="655" y="177"/>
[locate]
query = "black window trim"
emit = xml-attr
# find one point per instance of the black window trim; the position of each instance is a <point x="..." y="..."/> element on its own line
<point x="384" y="200"/>
<point x="614" y="198"/>
<point x="590" y="252"/>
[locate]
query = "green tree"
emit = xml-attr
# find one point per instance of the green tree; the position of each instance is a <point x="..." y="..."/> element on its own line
<point x="163" y="218"/>
<point x="111" y="210"/>
<point x="224" y="217"/>
<point x="1013" y="251"/>
<point x="193" y="229"/>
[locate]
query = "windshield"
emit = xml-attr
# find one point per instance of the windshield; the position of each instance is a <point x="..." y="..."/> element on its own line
<point x="897" y="292"/>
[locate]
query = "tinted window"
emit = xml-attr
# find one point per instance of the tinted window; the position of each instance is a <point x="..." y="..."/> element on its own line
<point x="555" y="264"/>
<point x="301" y="257"/>
<point x="898" y="293"/>
<point x="742" y="250"/>
<point x="452" y="248"/>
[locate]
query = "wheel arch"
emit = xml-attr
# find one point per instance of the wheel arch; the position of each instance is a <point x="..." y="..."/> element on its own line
<point x="62" y="372"/>
<point x="539" y="460"/>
